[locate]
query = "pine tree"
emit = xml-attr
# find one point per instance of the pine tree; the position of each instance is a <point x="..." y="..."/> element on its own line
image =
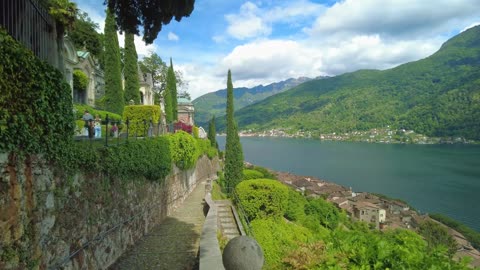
<point x="167" y="98"/>
<point x="130" y="72"/>
<point x="233" y="148"/>
<point x="114" y="101"/>
<point x="212" y="132"/>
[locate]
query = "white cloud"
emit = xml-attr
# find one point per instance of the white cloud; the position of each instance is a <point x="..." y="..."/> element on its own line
<point x="395" y="18"/>
<point x="470" y="26"/>
<point x="140" y="46"/>
<point x="247" y="23"/>
<point x="201" y="79"/>
<point x="171" y="36"/>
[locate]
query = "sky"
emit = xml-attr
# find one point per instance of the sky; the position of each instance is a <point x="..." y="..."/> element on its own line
<point x="267" y="41"/>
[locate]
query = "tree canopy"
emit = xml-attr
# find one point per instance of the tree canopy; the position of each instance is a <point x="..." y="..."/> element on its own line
<point x="130" y="72"/>
<point x="150" y="15"/>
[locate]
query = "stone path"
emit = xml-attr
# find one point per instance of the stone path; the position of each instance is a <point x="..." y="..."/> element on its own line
<point x="173" y="244"/>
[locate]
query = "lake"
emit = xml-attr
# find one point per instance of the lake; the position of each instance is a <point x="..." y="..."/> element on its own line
<point x="432" y="178"/>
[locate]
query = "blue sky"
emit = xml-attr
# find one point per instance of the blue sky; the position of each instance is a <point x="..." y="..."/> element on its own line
<point x="273" y="40"/>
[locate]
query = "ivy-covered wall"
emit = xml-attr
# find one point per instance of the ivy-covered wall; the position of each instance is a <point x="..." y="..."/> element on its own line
<point x="46" y="218"/>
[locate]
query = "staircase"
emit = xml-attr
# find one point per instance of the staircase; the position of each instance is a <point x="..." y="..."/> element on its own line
<point x="226" y="219"/>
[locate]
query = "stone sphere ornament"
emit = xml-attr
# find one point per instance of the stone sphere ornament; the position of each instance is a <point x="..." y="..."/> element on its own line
<point x="243" y="253"/>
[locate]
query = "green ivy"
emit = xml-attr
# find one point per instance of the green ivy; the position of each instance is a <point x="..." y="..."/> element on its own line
<point x="80" y="80"/>
<point x="35" y="102"/>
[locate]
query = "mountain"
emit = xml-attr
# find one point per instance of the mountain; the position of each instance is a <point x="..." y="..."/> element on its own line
<point x="437" y="96"/>
<point x="215" y="103"/>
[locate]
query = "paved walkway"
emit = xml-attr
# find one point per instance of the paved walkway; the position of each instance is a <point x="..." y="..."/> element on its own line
<point x="173" y="244"/>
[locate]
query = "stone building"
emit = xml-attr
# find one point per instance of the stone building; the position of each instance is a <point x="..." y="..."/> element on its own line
<point x="369" y="212"/>
<point x="84" y="61"/>
<point x="146" y="88"/>
<point x="185" y="111"/>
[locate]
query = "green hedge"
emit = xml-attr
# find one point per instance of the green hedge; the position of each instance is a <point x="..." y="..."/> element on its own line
<point x="35" y="104"/>
<point x="252" y="174"/>
<point x="80" y="109"/>
<point x="262" y="198"/>
<point x="80" y="80"/>
<point x="185" y="151"/>
<point x="136" y="115"/>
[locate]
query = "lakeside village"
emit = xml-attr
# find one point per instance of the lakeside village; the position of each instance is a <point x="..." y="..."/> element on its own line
<point x="377" y="135"/>
<point x="376" y="209"/>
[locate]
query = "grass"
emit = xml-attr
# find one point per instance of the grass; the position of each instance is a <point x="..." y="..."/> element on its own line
<point x="217" y="193"/>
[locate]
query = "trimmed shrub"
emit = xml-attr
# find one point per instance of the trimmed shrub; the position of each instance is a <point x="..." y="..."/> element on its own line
<point x="195" y="132"/>
<point x="139" y="117"/>
<point x="185" y="150"/>
<point x="263" y="198"/>
<point x="252" y="174"/>
<point x="80" y="109"/>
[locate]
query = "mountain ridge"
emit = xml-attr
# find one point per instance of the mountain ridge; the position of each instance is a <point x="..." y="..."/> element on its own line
<point x="436" y="96"/>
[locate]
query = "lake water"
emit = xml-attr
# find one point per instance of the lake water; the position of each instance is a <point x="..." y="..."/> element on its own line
<point x="432" y="178"/>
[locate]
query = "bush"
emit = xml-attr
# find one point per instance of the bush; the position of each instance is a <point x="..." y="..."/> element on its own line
<point x="296" y="206"/>
<point x="139" y="117"/>
<point x="252" y="174"/>
<point x="326" y="213"/>
<point x="266" y="173"/>
<point x="195" y="132"/>
<point x="148" y="158"/>
<point x="80" y="80"/>
<point x="278" y="238"/>
<point x="262" y="198"/>
<point x="185" y="151"/>
<point x="80" y="109"/>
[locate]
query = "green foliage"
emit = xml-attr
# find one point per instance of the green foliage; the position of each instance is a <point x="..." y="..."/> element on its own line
<point x="184" y="149"/>
<point x="114" y="100"/>
<point x="267" y="173"/>
<point x="262" y="198"/>
<point x="80" y="80"/>
<point x="130" y="72"/>
<point x="324" y="212"/>
<point x="233" y="148"/>
<point x="170" y="95"/>
<point x="252" y="174"/>
<point x="217" y="193"/>
<point x="436" y="96"/>
<point x="277" y="237"/>
<point x="139" y="117"/>
<point x="150" y="15"/>
<point x="437" y="235"/>
<point x="212" y="133"/>
<point x="150" y="158"/>
<point x="79" y="109"/>
<point x="35" y="104"/>
<point x="472" y="236"/>
<point x="64" y="12"/>
<point x="204" y="147"/>
<point x="195" y="132"/>
<point x="295" y="210"/>
<point x="85" y="34"/>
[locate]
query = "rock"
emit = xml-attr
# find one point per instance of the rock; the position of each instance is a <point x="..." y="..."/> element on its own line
<point x="47" y="225"/>
<point x="243" y="253"/>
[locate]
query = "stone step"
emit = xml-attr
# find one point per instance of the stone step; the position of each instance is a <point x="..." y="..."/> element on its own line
<point x="231" y="231"/>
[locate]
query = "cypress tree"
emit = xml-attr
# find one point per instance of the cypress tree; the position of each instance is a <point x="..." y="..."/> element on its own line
<point x="212" y="132"/>
<point x="114" y="101"/>
<point x="172" y="80"/>
<point x="233" y="148"/>
<point x="167" y="96"/>
<point x="130" y="72"/>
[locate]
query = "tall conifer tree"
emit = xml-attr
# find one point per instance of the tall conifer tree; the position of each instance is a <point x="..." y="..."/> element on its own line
<point x="114" y="101"/>
<point x="233" y="148"/>
<point x="212" y="132"/>
<point x="130" y="72"/>
<point x="172" y="80"/>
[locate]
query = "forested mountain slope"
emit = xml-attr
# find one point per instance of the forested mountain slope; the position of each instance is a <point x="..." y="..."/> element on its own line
<point x="435" y="96"/>
<point x="215" y="103"/>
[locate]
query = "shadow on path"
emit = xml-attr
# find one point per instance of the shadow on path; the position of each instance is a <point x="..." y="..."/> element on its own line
<point x="174" y="243"/>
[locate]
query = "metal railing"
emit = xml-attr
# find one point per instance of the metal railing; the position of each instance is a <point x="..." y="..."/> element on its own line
<point x="241" y="211"/>
<point x="31" y="24"/>
<point x="117" y="132"/>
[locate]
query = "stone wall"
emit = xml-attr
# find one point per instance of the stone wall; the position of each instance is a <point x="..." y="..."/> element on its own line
<point x="81" y="222"/>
